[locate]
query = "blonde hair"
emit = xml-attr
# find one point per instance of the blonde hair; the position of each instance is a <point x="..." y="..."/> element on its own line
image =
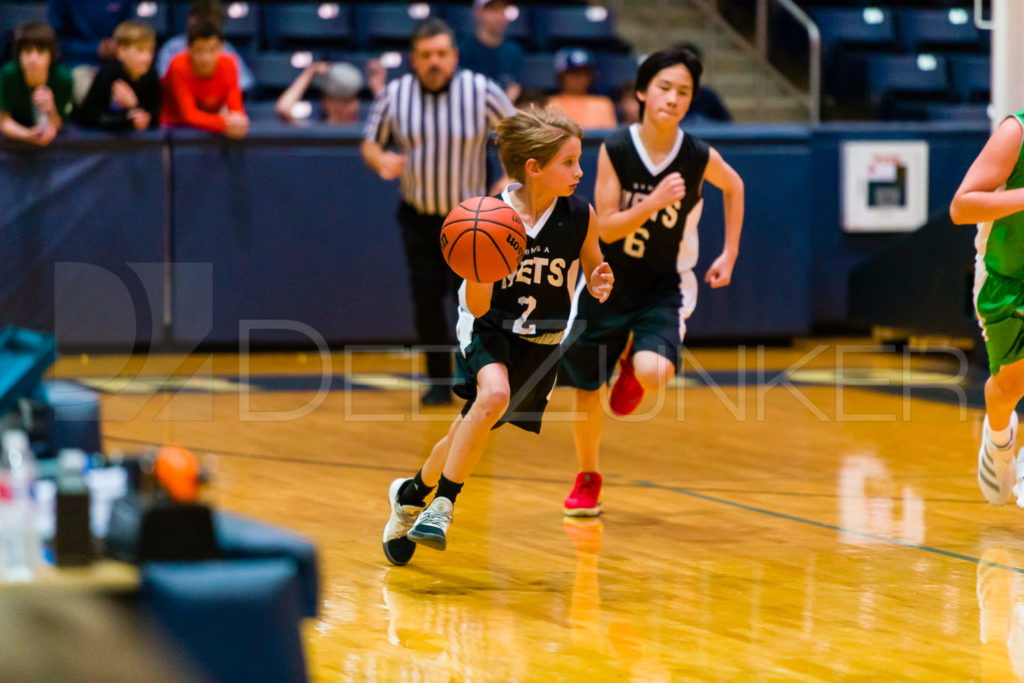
<point x="132" y="32"/>
<point x="533" y="134"/>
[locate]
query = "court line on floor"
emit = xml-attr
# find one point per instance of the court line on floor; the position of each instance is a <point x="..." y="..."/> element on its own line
<point x="823" y="525"/>
<point x="637" y="483"/>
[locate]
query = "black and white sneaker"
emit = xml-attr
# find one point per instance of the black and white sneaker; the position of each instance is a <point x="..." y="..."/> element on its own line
<point x="432" y="524"/>
<point x="397" y="546"/>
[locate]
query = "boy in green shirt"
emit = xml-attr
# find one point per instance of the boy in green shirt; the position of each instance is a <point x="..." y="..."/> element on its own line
<point x="992" y="195"/>
<point x="35" y="93"/>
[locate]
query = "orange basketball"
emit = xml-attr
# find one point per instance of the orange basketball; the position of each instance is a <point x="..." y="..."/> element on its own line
<point x="177" y="472"/>
<point x="483" y="239"/>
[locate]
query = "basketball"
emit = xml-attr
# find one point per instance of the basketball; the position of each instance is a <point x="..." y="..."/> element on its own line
<point x="177" y="472"/>
<point x="483" y="239"/>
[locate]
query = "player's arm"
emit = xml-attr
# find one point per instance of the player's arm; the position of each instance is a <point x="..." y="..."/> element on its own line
<point x="615" y="224"/>
<point x="724" y="177"/>
<point x="598" y="273"/>
<point x="978" y="200"/>
<point x="478" y="297"/>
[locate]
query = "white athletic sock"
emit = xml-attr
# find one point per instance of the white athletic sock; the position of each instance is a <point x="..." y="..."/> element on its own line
<point x="1000" y="438"/>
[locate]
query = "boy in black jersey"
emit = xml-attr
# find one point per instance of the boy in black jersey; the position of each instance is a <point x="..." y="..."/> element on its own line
<point x="510" y="330"/>
<point x="648" y="202"/>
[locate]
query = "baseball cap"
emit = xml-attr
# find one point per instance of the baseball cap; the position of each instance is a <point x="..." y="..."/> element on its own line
<point x="573" y="58"/>
<point x="342" y="80"/>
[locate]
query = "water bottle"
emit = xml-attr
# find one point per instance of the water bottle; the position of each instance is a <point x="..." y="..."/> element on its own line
<point x="20" y="549"/>
<point x="72" y="543"/>
<point x="42" y="118"/>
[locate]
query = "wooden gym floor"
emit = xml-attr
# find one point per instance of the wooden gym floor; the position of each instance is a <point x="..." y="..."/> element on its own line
<point x="800" y="513"/>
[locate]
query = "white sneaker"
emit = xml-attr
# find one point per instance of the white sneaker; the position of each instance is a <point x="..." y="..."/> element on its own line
<point x="397" y="547"/>
<point x="996" y="472"/>
<point x="432" y="524"/>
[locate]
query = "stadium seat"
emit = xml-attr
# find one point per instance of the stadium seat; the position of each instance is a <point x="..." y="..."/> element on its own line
<point x="275" y="71"/>
<point x="539" y="72"/>
<point x="241" y="24"/>
<point x="307" y="24"/>
<point x="594" y="27"/>
<point x="387" y="25"/>
<point x="929" y="29"/>
<point x="971" y="76"/>
<point x="851" y="26"/>
<point x="613" y="71"/>
<point x="13" y="15"/>
<point x="893" y="79"/>
<point x="157" y="15"/>
<point x="460" y="18"/>
<point x="957" y="111"/>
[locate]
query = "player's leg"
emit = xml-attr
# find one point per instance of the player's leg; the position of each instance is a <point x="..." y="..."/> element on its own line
<point x="587" y="363"/>
<point x="467" y="445"/>
<point x="407" y="498"/>
<point x="652" y="359"/>
<point x="999" y="302"/>
<point x="585" y="498"/>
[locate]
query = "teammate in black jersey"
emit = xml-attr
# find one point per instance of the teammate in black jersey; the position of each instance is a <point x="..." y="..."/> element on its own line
<point x="648" y="201"/>
<point x="509" y="331"/>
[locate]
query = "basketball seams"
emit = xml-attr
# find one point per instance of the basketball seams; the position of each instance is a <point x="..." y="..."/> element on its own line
<point x="477" y="221"/>
<point x="489" y="263"/>
<point x="496" y="246"/>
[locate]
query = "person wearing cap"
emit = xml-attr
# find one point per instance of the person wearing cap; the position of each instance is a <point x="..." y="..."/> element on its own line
<point x="575" y="69"/>
<point x="339" y="84"/>
<point x="489" y="52"/>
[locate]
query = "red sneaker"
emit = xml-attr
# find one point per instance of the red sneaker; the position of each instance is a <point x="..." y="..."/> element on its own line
<point x="585" y="499"/>
<point x="626" y="393"/>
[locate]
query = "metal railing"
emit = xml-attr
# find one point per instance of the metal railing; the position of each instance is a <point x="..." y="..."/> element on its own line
<point x="813" y="97"/>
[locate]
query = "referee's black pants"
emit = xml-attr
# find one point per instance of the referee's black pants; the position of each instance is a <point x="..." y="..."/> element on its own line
<point x="433" y="288"/>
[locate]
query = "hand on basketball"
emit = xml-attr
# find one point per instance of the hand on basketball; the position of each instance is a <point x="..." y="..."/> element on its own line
<point x="601" y="281"/>
<point x="391" y="165"/>
<point x="720" y="272"/>
<point x="670" y="190"/>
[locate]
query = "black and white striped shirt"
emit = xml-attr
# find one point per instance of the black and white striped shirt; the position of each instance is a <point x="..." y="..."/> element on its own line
<point x="443" y="135"/>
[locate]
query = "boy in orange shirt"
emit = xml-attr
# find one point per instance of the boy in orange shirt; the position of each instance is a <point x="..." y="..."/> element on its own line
<point x="201" y="86"/>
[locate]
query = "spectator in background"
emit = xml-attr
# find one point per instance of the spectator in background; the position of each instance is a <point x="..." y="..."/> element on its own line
<point x="35" y="92"/>
<point x="340" y="85"/>
<point x="126" y="93"/>
<point x="627" y="106"/>
<point x="488" y="52"/>
<point x="575" y="69"/>
<point x="203" y="10"/>
<point x="85" y="28"/>
<point x="201" y="86"/>
<point x="707" y="106"/>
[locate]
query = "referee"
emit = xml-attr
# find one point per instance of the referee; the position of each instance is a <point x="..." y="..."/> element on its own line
<point x="438" y="121"/>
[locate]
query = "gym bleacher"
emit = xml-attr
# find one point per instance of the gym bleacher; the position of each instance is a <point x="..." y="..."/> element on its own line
<point x="904" y="60"/>
<point x="278" y="39"/>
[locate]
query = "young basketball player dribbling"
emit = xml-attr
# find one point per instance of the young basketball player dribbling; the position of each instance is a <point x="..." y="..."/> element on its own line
<point x="648" y="201"/>
<point x="509" y="331"/>
<point x="992" y="195"/>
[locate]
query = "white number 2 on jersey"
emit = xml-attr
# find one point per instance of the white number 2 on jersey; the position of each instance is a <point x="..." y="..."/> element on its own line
<point x="520" y="326"/>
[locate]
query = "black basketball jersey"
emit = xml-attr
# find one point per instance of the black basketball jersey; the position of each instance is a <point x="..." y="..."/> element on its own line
<point x="666" y="244"/>
<point x="534" y="302"/>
